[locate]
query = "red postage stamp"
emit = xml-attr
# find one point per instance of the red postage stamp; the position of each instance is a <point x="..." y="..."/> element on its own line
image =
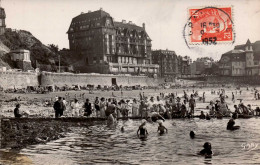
<point x="210" y="25"/>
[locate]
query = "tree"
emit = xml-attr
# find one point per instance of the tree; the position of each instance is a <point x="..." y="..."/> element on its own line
<point x="54" y="48"/>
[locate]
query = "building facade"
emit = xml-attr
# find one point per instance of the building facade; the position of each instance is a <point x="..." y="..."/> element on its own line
<point x="21" y="58"/>
<point x="167" y="61"/>
<point x="244" y="60"/>
<point x="200" y="66"/>
<point x="184" y="65"/>
<point x="106" y="46"/>
<point x="2" y="20"/>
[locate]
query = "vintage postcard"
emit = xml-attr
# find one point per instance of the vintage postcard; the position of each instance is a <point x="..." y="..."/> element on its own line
<point x="129" y="82"/>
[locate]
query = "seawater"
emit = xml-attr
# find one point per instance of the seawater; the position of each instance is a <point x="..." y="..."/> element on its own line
<point x="102" y="144"/>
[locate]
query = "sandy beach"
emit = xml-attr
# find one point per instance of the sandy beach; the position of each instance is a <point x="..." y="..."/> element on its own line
<point x="35" y="103"/>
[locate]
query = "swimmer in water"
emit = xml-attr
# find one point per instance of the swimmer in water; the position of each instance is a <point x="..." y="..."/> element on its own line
<point x="192" y="135"/>
<point x="161" y="128"/>
<point x="143" y="131"/>
<point x="231" y="125"/>
<point x="122" y="129"/>
<point x="156" y="116"/>
<point x="207" y="152"/>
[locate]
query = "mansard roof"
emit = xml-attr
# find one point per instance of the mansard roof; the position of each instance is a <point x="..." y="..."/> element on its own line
<point x="90" y="15"/>
<point x="130" y="27"/>
<point x="90" y="19"/>
<point x="235" y="51"/>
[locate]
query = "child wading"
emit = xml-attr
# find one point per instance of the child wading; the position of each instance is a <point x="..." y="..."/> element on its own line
<point x="161" y="128"/>
<point x="143" y="131"/>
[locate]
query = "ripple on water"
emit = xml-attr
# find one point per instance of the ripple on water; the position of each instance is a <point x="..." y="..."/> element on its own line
<point x="104" y="144"/>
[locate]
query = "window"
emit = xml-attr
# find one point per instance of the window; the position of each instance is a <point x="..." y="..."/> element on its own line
<point x="94" y="60"/>
<point x="255" y="62"/>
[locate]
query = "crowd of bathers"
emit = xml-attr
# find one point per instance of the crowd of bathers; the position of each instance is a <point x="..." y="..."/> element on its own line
<point x="165" y="105"/>
<point x="154" y="109"/>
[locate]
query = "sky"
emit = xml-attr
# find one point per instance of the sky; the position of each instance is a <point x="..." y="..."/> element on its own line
<point x="49" y="20"/>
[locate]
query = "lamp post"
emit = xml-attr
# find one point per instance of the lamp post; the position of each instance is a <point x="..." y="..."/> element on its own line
<point x="59" y="63"/>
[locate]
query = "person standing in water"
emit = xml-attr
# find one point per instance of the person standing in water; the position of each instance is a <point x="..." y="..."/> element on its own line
<point x="97" y="107"/>
<point x="102" y="106"/>
<point x="87" y="108"/>
<point x="75" y="108"/>
<point x="192" y="104"/>
<point x="161" y="128"/>
<point x="143" y="131"/>
<point x="135" y="108"/>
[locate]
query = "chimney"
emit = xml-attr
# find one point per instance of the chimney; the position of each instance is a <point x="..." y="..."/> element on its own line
<point x="89" y="11"/>
<point x="101" y="8"/>
<point x="144" y="26"/>
<point x="82" y="13"/>
<point x="130" y="22"/>
<point x="123" y="21"/>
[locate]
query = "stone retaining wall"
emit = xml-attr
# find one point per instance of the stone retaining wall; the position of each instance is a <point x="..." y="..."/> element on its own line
<point x="18" y="79"/>
<point x="24" y="79"/>
<point x="60" y="79"/>
<point x="238" y="80"/>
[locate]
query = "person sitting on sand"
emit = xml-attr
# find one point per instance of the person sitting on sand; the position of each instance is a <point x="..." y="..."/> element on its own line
<point x="143" y="131"/>
<point x="237" y="110"/>
<point x="207" y="150"/>
<point x="207" y="116"/>
<point x="244" y="109"/>
<point x="202" y="115"/>
<point x="212" y="111"/>
<point x="231" y="125"/>
<point x="161" y="128"/>
<point x="16" y="111"/>
<point x="250" y="111"/>
<point x="211" y="104"/>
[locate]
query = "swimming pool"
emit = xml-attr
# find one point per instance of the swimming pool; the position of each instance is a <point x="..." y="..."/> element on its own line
<point x="99" y="143"/>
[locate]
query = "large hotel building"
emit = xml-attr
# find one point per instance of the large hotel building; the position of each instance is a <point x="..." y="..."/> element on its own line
<point x="106" y="46"/>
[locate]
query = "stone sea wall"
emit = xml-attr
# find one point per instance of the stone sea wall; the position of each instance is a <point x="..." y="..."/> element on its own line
<point x="237" y="80"/>
<point x="60" y="79"/>
<point x="18" y="79"/>
<point x="24" y="79"/>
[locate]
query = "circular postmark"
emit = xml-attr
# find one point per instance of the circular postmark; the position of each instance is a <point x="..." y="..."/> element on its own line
<point x="209" y="26"/>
